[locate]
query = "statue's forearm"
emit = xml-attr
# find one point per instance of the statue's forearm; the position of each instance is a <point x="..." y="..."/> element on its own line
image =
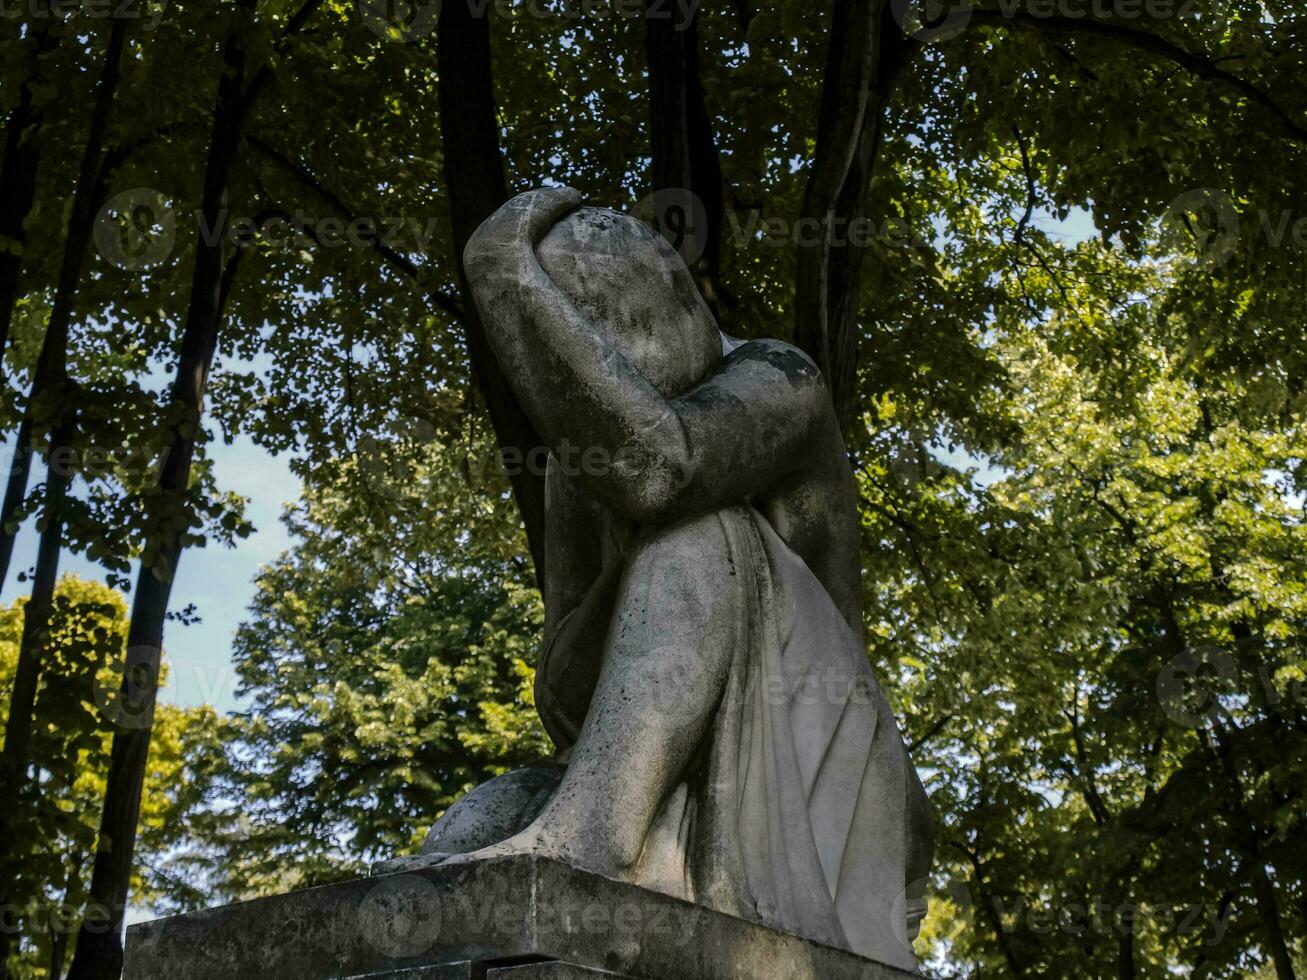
<point x="578" y="389"/>
<point x="758" y="419"/>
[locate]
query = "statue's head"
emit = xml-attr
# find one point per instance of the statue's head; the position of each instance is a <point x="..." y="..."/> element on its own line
<point x="632" y="283"/>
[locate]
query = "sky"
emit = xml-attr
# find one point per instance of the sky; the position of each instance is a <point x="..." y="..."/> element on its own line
<point x="219" y="581"/>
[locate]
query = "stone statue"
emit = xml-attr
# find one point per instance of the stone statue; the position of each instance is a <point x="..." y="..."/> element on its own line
<point x="722" y="736"/>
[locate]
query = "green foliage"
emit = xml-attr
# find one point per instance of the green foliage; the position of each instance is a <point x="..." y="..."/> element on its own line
<point x="54" y="830"/>
<point x="388" y="665"/>
<point x="1098" y="640"/>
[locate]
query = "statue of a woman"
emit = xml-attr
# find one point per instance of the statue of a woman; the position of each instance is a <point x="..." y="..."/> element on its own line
<point x="704" y="673"/>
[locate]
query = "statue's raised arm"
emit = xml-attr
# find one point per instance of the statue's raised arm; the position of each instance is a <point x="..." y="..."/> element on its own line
<point x="658" y="400"/>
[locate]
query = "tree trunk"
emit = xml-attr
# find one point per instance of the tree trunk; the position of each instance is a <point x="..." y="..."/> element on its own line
<point x="1268" y="911"/>
<point x="59" y="936"/>
<point x="1247" y="833"/>
<point x="684" y="150"/>
<point x="52" y="390"/>
<point x="22" y="702"/>
<point x="474" y="176"/>
<point x="990" y="911"/>
<point x="99" y="952"/>
<point x="18" y="173"/>
<point x="20" y="468"/>
<point x="865" y="53"/>
<point x="1241" y="823"/>
<point x="1126" y="954"/>
<point x="36" y="623"/>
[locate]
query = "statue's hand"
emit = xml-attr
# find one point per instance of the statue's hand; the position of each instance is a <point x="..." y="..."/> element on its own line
<point x="408" y="865"/>
<point x="516" y="228"/>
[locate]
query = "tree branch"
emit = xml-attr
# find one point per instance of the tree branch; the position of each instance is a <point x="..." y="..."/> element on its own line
<point x="298" y="21"/>
<point x="397" y="260"/>
<point x="1197" y="64"/>
<point x="930" y="733"/>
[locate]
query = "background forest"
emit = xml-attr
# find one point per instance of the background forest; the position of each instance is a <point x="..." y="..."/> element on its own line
<point x="1050" y="255"/>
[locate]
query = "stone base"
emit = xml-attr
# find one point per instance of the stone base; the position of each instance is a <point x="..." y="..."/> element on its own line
<point x="518" y="918"/>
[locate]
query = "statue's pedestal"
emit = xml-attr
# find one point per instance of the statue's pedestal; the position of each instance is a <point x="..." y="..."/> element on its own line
<point x="519" y="918"/>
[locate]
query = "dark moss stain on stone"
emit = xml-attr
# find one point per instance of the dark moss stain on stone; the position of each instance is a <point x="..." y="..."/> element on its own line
<point x="790" y="361"/>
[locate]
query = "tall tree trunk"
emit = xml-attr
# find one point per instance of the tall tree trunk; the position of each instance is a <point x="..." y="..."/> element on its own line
<point x="1082" y="776"/>
<point x="866" y="51"/>
<point x="989" y="909"/>
<point x="474" y="178"/>
<point x="1232" y="804"/>
<point x="684" y="150"/>
<point x="1268" y="911"/>
<point x="58" y="935"/>
<point x="22" y="152"/>
<point x="1126" y="969"/>
<point x="1247" y="833"/>
<point x="99" y="952"/>
<point x="53" y="395"/>
<point x="20" y="469"/>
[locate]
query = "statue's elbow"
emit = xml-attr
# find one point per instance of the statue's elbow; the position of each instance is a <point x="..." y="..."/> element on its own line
<point x="652" y="494"/>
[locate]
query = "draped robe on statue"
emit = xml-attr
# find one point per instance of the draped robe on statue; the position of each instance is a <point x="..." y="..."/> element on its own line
<point x="793" y="811"/>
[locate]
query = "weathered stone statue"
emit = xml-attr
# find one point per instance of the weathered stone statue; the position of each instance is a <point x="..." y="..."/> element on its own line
<point x="722" y="737"/>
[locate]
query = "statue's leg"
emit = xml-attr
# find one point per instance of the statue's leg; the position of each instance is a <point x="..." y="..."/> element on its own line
<point x="678" y="620"/>
<point x="666" y="662"/>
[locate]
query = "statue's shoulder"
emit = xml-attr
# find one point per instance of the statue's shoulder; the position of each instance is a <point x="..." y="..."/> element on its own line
<point x="791" y="360"/>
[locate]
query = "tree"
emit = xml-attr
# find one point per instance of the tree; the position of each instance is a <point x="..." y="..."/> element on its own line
<point x="1089" y="586"/>
<point x="53" y="831"/>
<point x="100" y="953"/>
<point x="22" y="155"/>
<point x="51" y="389"/>
<point x="386" y="672"/>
